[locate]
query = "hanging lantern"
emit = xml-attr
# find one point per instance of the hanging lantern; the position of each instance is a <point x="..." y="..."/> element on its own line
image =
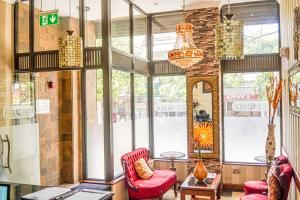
<point x="185" y="53"/>
<point x="230" y="38"/>
<point x="70" y="51"/>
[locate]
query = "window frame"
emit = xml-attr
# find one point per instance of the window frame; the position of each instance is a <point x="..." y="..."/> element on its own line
<point x="152" y="117"/>
<point x="223" y="127"/>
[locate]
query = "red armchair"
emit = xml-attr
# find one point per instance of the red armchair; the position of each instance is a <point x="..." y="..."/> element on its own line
<point x="155" y="187"/>
<point x="261" y="187"/>
<point x="286" y="170"/>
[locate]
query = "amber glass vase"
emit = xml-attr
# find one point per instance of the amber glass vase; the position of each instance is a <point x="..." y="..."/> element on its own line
<point x="200" y="171"/>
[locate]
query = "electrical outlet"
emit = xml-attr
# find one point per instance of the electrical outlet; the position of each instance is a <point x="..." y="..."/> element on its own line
<point x="237" y="171"/>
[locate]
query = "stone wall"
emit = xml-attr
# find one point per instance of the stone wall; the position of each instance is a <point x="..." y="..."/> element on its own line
<point x="204" y="21"/>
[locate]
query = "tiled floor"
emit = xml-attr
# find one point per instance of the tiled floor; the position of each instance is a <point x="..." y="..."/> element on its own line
<point x="227" y="195"/>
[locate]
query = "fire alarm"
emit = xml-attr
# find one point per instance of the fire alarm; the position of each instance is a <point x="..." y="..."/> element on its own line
<point x="51" y="84"/>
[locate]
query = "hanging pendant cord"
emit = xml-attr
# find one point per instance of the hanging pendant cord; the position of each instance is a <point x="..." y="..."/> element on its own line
<point x="70" y="9"/>
<point x="41" y="5"/>
<point x="183" y="5"/>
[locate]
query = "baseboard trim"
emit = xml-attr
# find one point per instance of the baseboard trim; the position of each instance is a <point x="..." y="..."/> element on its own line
<point x="233" y="186"/>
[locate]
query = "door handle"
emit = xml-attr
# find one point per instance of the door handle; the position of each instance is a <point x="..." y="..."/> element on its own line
<point x="8" y="153"/>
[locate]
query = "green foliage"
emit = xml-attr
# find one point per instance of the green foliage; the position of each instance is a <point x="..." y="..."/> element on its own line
<point x="261" y="39"/>
<point x="234" y="80"/>
<point x="172" y="88"/>
<point x="262" y="80"/>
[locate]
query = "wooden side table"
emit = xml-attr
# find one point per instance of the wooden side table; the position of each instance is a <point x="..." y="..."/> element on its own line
<point x="210" y="188"/>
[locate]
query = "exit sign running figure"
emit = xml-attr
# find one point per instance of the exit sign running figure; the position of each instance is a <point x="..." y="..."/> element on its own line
<point x="49" y="19"/>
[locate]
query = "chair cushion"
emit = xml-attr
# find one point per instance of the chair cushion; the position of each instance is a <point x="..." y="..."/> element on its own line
<point x="255" y="187"/>
<point x="142" y="169"/>
<point x="129" y="160"/>
<point x="285" y="178"/>
<point x="158" y="184"/>
<point x="254" y="197"/>
<point x="281" y="160"/>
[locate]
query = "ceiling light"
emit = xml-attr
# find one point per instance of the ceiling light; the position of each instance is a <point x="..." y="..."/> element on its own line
<point x="185" y="54"/>
<point x="230" y="38"/>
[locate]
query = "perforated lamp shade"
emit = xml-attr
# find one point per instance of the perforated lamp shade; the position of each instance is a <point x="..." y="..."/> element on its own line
<point x="70" y="51"/>
<point x="230" y="39"/>
<point x="185" y="53"/>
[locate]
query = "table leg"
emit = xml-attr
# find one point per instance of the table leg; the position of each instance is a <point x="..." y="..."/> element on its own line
<point x="182" y="195"/>
<point x="213" y="196"/>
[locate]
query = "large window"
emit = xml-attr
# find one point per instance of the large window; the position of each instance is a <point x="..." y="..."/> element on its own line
<point x="170" y="130"/>
<point x="261" y="38"/>
<point x="94" y="123"/>
<point x="141" y="111"/>
<point x="246" y="116"/>
<point x="140" y="34"/>
<point x="120" y="25"/>
<point x="121" y="116"/>
<point x="164" y="35"/>
<point x="93" y="25"/>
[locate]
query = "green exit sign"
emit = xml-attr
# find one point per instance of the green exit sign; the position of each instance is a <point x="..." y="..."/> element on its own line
<point x="49" y="19"/>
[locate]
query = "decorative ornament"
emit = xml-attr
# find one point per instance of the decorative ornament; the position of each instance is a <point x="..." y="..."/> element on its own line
<point x="285" y="52"/>
<point x="185" y="53"/>
<point x="230" y="38"/>
<point x="274" y="94"/>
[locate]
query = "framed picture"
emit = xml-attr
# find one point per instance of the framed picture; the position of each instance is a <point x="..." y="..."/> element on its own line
<point x="206" y="88"/>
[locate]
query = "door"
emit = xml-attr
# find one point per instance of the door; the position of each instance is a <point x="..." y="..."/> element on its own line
<point x="20" y="159"/>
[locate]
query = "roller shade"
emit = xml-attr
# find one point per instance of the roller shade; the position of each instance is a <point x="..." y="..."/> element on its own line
<point x="260" y="12"/>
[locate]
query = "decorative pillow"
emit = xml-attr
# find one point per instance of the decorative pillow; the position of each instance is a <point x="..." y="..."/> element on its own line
<point x="274" y="188"/>
<point x="142" y="169"/>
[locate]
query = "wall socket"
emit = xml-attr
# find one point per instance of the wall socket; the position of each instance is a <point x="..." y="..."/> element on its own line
<point x="236" y="171"/>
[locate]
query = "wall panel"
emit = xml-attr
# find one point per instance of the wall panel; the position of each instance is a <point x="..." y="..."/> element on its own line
<point x="291" y="122"/>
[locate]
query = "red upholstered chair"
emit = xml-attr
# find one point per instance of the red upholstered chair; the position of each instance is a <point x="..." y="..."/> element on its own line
<point x="155" y="187"/>
<point x="286" y="174"/>
<point x="261" y="187"/>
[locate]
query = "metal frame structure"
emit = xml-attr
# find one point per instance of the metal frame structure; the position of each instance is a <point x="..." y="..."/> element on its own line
<point x="107" y="59"/>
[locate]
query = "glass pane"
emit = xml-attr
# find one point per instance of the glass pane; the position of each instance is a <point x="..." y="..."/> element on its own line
<point x="94" y="121"/>
<point x="164" y="35"/>
<point x="170" y="130"/>
<point x="140" y="34"/>
<point x="141" y="111"/>
<point x="23" y="27"/>
<point x="93" y="32"/>
<point x="261" y="39"/>
<point x="120" y="25"/>
<point x="122" y="127"/>
<point x="246" y="116"/>
<point x="46" y="36"/>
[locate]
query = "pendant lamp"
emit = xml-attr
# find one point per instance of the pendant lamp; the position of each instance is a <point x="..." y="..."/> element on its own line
<point x="230" y="38"/>
<point x="70" y="49"/>
<point x="185" y="53"/>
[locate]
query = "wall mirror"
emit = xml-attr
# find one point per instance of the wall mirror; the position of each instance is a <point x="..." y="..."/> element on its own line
<point x="203" y="116"/>
<point x="294" y="88"/>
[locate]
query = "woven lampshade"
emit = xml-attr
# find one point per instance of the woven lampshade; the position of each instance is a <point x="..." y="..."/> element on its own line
<point x="230" y="39"/>
<point x="185" y="53"/>
<point x="70" y="51"/>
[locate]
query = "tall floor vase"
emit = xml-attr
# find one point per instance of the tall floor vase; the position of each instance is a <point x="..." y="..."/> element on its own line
<point x="270" y="145"/>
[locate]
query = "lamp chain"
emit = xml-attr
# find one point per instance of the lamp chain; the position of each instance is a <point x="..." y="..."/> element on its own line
<point x="228" y="6"/>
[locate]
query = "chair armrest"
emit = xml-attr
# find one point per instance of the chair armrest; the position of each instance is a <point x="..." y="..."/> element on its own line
<point x="130" y="185"/>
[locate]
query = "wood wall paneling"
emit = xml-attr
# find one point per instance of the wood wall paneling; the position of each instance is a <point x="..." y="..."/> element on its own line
<point x="291" y="122"/>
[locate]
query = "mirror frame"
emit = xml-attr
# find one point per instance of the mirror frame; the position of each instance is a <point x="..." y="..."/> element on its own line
<point x="292" y="71"/>
<point x="213" y="81"/>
